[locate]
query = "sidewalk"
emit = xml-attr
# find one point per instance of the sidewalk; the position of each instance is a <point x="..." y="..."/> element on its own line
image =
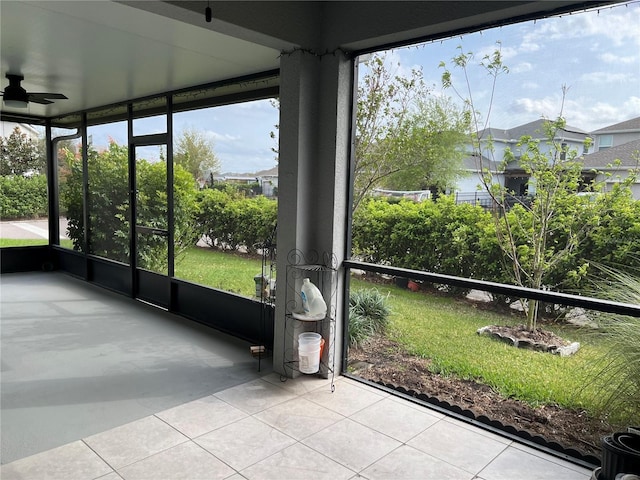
<point x="30" y="229"/>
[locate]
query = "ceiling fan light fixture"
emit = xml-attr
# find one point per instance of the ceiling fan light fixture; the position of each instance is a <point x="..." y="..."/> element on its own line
<point x="17" y="97"/>
<point x="14" y="95"/>
<point x="15" y="103"/>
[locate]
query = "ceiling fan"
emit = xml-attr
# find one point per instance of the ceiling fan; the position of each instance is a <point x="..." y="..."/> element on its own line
<point x="16" y="96"/>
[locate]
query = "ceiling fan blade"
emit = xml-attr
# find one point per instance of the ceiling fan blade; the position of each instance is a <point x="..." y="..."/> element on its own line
<point x="42" y="96"/>
<point x="41" y="101"/>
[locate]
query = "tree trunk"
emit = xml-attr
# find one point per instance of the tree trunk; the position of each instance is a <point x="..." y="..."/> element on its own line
<point x="532" y="315"/>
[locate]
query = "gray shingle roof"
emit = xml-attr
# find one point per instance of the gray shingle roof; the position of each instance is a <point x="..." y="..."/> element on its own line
<point x="533" y="129"/>
<point x="496" y="133"/>
<point x="627" y="153"/>
<point x="632" y="124"/>
<point x="473" y="163"/>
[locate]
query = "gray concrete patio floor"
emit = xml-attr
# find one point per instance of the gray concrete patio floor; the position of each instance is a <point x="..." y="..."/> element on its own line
<point x="78" y="360"/>
<point x="124" y="392"/>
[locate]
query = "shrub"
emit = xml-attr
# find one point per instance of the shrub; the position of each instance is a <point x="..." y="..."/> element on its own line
<point x="23" y="197"/>
<point x="438" y="237"/>
<point x="614" y="232"/>
<point x="368" y="315"/>
<point x="109" y="206"/>
<point x="231" y="221"/>
<point x="461" y="240"/>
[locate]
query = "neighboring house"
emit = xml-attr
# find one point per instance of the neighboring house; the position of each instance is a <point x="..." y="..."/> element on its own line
<point x="618" y="143"/>
<point x="515" y="178"/>
<point x="617" y="134"/>
<point x="614" y="164"/>
<point x="617" y="153"/>
<point x="7" y="128"/>
<point x="573" y="137"/>
<point x="469" y="187"/>
<point x="267" y="179"/>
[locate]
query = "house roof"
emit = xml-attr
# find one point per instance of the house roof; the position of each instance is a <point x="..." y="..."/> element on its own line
<point x="628" y="153"/>
<point x="534" y="129"/>
<point x="494" y="133"/>
<point x="271" y="172"/>
<point x="631" y="125"/>
<point x="474" y="163"/>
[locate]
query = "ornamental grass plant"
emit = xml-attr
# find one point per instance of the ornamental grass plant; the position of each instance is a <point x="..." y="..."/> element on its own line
<point x="368" y="314"/>
<point x="616" y="372"/>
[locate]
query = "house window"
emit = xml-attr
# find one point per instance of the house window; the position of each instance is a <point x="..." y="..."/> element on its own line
<point x="605" y="141"/>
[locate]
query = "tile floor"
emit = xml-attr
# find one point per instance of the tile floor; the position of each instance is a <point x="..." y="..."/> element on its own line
<point x="298" y="429"/>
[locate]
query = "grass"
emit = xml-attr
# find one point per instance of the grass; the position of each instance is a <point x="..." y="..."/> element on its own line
<point x="12" y="242"/>
<point x="443" y="329"/>
<point x="225" y="271"/>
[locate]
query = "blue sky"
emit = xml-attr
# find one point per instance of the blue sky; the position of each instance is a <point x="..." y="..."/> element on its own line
<point x="596" y="54"/>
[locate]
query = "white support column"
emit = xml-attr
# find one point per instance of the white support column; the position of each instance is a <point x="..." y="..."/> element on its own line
<point x="315" y="121"/>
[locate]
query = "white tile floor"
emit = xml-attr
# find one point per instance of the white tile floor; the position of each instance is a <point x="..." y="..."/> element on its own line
<point x="298" y="429"/>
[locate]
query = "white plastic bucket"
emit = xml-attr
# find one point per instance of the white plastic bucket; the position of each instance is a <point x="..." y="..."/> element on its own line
<point x="309" y="352"/>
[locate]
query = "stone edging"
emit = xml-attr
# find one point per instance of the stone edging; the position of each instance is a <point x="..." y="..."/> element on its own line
<point x="563" y="351"/>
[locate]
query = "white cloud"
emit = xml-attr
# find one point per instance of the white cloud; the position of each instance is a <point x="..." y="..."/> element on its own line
<point x="611" y="58"/>
<point x="506" y="53"/>
<point x="522" y="67"/>
<point x="601" y="114"/>
<point x="607" y="77"/>
<point x="530" y="86"/>
<point x="528" y="47"/>
<point x="547" y="107"/>
<point x="222" y="137"/>
<point x="579" y="113"/>
<point x="619" y="24"/>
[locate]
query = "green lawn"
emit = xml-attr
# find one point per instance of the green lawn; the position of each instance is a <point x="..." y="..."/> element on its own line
<point x="10" y="242"/>
<point x="444" y="330"/>
<point x="226" y="271"/>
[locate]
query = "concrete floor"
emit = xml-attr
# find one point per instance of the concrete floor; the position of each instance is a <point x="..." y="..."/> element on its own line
<point x="78" y="360"/>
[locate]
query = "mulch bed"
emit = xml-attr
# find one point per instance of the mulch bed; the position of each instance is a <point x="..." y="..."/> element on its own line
<point x="384" y="361"/>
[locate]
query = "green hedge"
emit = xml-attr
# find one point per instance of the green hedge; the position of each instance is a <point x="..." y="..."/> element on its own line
<point x="230" y="221"/>
<point x="23" y="197"/>
<point x="439" y="237"/>
<point x="460" y="239"/>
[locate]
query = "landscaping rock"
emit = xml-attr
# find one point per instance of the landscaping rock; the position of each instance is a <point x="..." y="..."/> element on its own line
<point x="568" y="350"/>
<point x="540" y="340"/>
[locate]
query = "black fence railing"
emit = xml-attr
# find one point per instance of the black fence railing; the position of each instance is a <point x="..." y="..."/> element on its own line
<point x="591" y="303"/>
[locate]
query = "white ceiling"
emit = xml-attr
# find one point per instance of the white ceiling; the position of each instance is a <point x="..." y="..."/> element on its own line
<point x="101" y="52"/>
